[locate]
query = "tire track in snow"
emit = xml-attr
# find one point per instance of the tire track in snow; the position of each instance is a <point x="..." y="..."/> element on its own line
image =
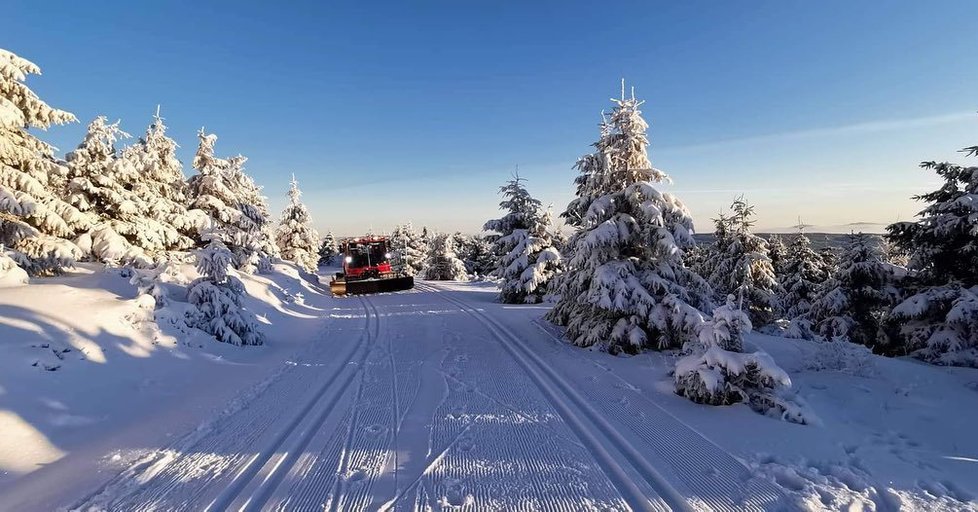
<point x="182" y="476"/>
<point x="573" y="410"/>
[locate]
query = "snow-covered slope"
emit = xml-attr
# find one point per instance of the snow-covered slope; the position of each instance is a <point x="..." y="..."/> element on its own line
<point x="441" y="398"/>
<point x="83" y="372"/>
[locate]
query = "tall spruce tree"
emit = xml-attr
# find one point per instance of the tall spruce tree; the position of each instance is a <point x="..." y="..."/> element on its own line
<point x="803" y="272"/>
<point x="234" y="204"/>
<point x="163" y="187"/>
<point x="938" y="321"/>
<point x="741" y="266"/>
<point x="528" y="259"/>
<point x="99" y="183"/>
<point x="36" y="224"/>
<point x="296" y="239"/>
<point x="625" y="286"/>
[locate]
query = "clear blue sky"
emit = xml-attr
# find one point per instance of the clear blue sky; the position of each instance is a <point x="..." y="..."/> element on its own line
<point x="396" y="111"/>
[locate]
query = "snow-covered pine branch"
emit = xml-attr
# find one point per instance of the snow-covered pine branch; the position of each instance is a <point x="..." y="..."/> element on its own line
<point x="625" y="285"/>
<point x="296" y="239"/>
<point x="938" y="321"/>
<point x="35" y="222"/>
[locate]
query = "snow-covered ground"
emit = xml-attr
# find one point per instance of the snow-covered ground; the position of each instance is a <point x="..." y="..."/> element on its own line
<point x="439" y="398"/>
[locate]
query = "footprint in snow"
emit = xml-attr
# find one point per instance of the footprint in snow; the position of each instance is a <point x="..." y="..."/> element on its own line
<point x="455" y="496"/>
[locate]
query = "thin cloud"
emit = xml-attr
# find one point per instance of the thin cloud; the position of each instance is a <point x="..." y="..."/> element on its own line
<point x="857" y="128"/>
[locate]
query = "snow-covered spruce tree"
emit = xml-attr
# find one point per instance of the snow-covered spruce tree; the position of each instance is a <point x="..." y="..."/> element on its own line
<point x="36" y="224"/>
<point x="625" y="286"/>
<point x="938" y="321"/>
<point x="802" y="273"/>
<point x="410" y="250"/>
<point x="830" y="258"/>
<point x="234" y="204"/>
<point x="481" y="259"/>
<point x="529" y="260"/>
<point x="398" y="241"/>
<point x="328" y="250"/>
<point x="163" y="187"/>
<point x="296" y="239"/>
<point x="461" y="243"/>
<point x="256" y="247"/>
<point x="99" y="184"/>
<point x="852" y="304"/>
<point x="777" y="250"/>
<point x="443" y="264"/>
<point x="741" y="266"/>
<point x="717" y="373"/>
<point x="217" y="295"/>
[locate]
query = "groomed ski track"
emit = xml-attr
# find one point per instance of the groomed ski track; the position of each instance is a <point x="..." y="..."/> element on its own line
<point x="438" y="399"/>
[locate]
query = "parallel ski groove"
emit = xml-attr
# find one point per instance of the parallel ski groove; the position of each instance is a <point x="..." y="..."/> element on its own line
<point x="691" y="469"/>
<point x="180" y="476"/>
<point x="396" y="426"/>
<point x="248" y="472"/>
<point x="272" y="481"/>
<point x="546" y="380"/>
<point x="696" y="460"/>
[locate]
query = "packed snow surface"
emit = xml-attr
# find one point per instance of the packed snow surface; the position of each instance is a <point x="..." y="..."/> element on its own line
<point x="440" y="398"/>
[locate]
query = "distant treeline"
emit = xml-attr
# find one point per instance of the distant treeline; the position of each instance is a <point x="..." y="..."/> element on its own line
<point x="819" y="240"/>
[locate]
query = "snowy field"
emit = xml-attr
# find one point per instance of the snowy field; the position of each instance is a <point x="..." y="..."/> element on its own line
<point x="440" y="399"/>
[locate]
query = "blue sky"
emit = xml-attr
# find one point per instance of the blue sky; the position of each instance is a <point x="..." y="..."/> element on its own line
<point x="396" y="111"/>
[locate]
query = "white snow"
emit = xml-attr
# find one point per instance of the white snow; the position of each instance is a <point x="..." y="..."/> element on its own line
<point x="439" y="398"/>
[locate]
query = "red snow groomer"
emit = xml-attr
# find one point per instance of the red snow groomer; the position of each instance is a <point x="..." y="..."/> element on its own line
<point x="367" y="268"/>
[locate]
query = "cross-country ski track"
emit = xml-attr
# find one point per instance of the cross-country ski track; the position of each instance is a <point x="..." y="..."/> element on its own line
<point x="438" y="399"/>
